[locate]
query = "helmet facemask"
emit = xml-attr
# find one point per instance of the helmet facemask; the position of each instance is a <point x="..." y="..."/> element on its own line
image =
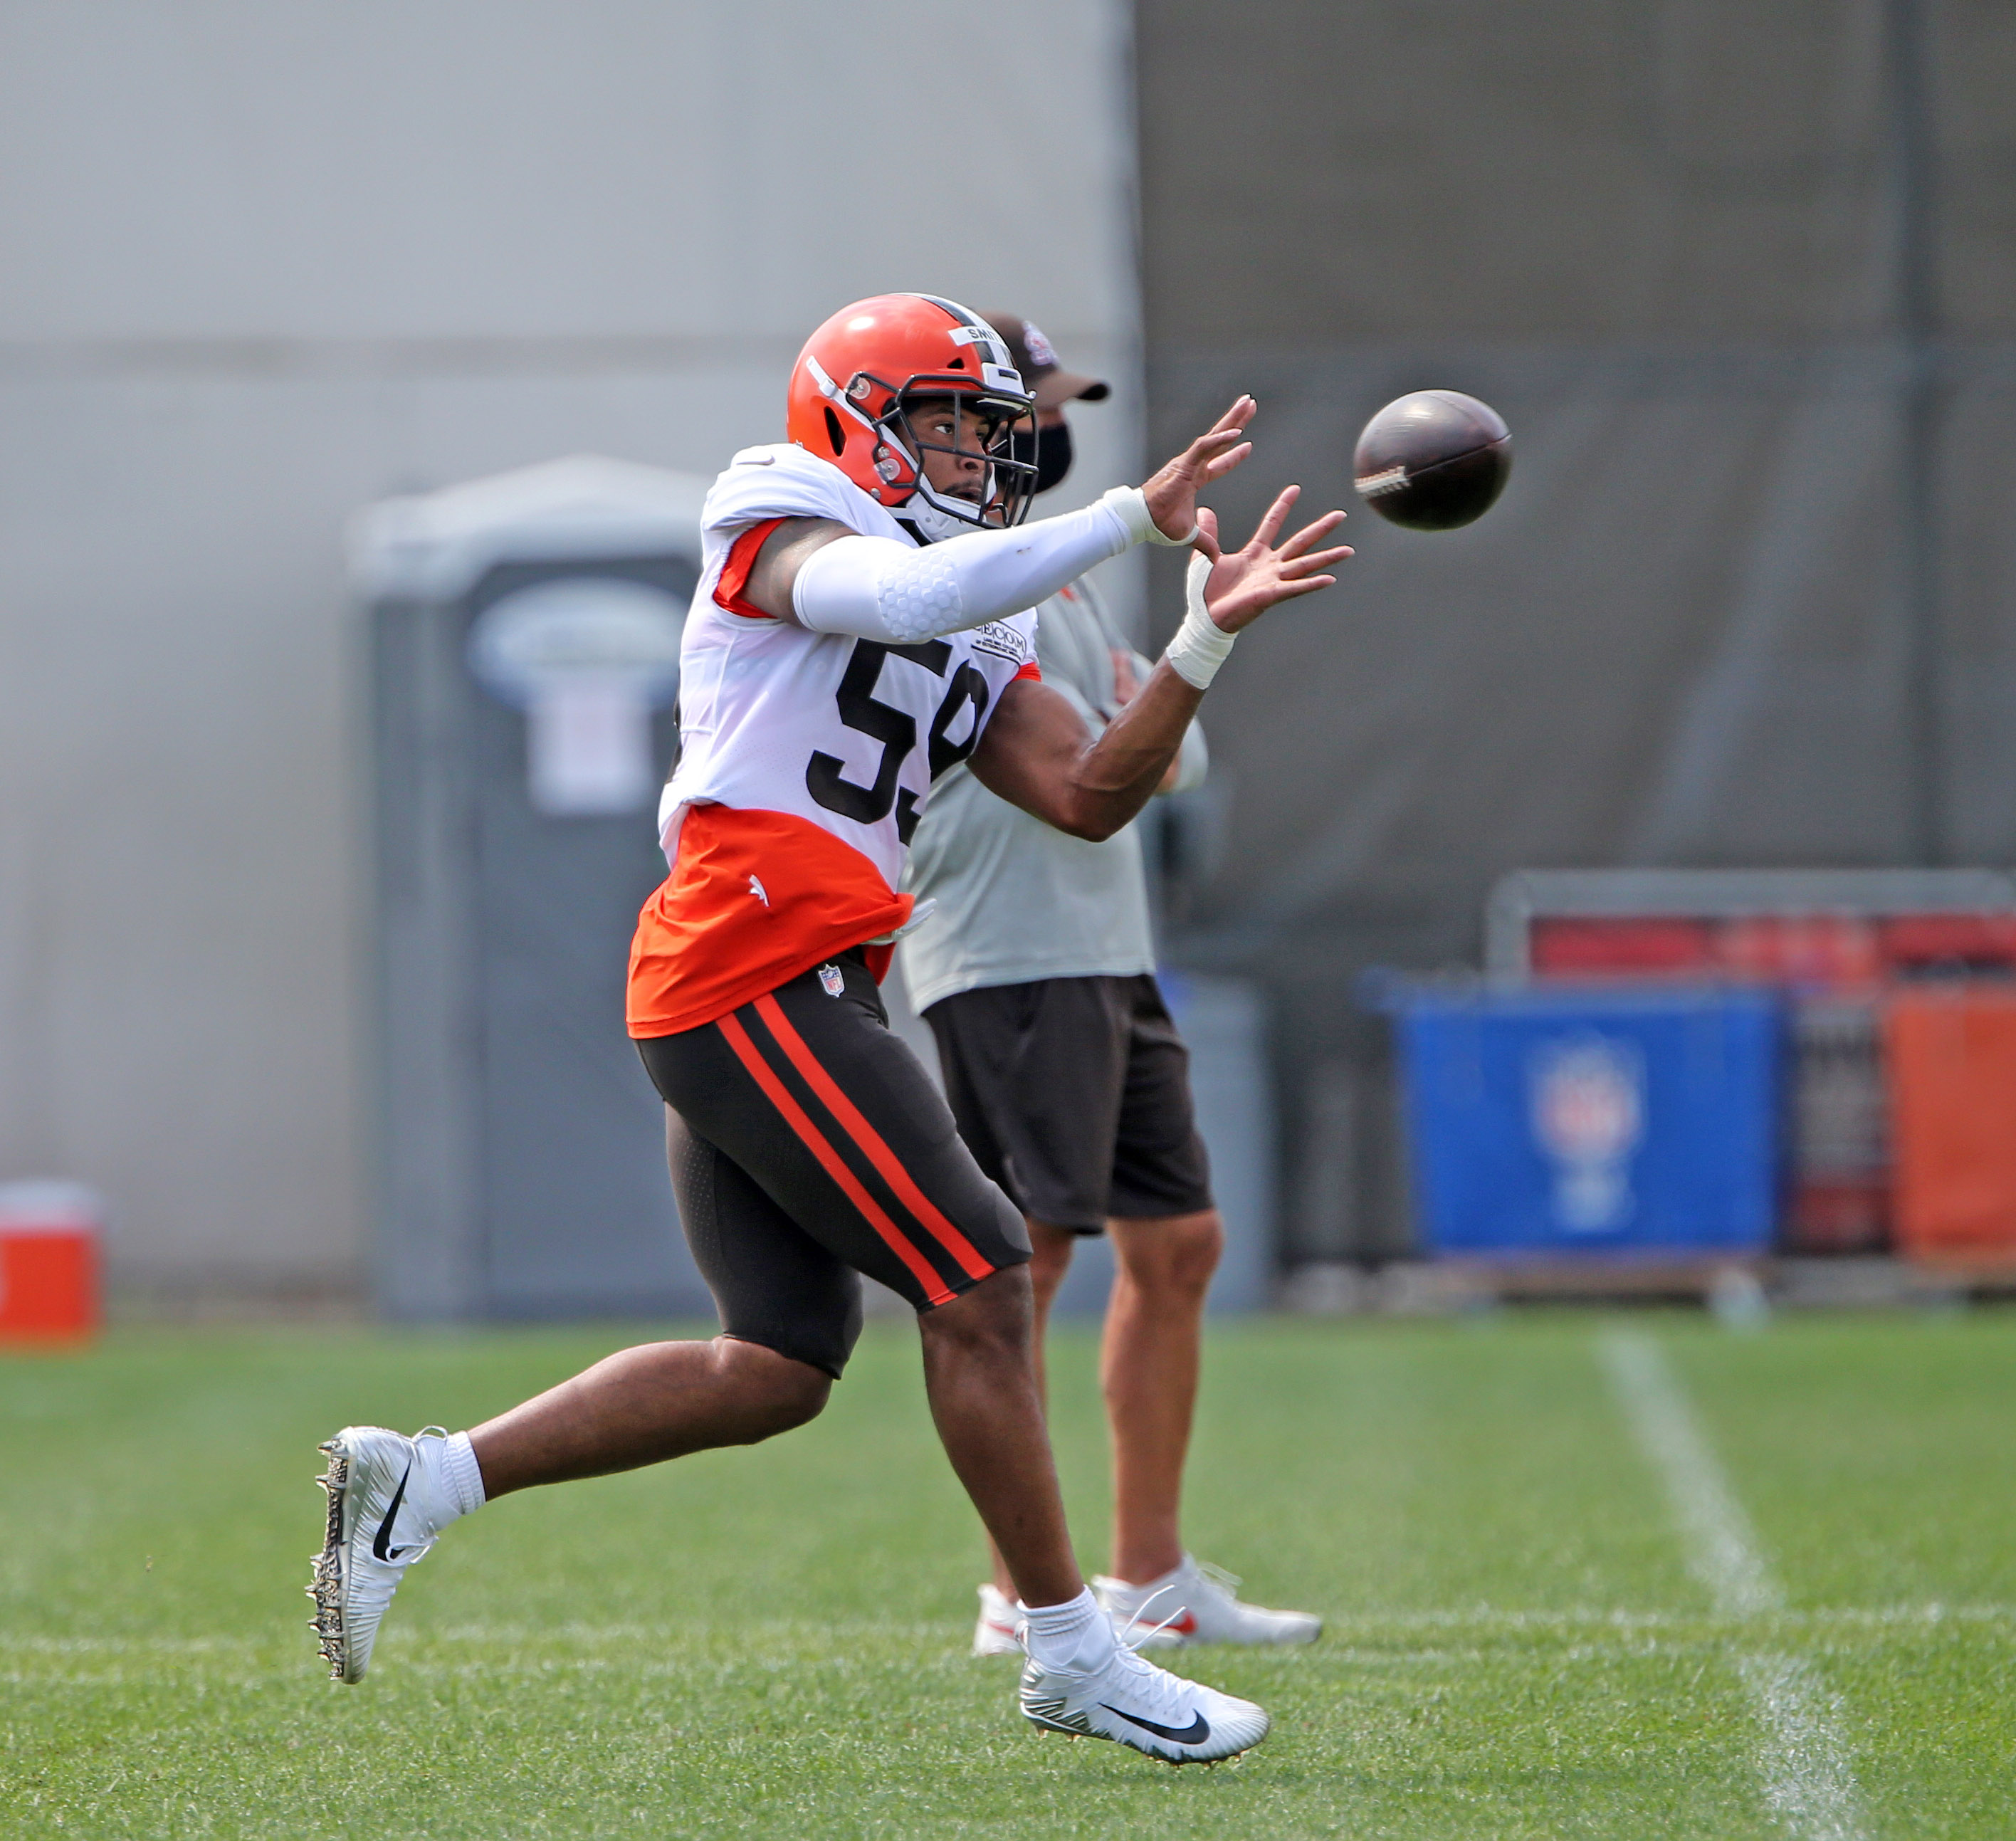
<point x="860" y="393"/>
<point x="985" y="425"/>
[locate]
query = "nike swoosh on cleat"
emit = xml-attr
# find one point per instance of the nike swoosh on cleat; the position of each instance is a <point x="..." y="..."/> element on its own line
<point x="379" y="1541"/>
<point x="1195" y="1733"/>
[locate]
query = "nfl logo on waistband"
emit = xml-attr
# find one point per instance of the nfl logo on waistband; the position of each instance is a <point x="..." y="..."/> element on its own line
<point x="830" y="980"/>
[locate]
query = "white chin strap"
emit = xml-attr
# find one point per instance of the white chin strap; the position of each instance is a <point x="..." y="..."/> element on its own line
<point x="933" y="524"/>
<point x="926" y="510"/>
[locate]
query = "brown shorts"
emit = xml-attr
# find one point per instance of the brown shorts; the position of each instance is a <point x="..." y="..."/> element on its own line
<point x="1075" y="1096"/>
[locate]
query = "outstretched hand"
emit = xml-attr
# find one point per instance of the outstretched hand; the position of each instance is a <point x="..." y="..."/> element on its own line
<point x="1171" y="493"/>
<point x="1245" y="583"/>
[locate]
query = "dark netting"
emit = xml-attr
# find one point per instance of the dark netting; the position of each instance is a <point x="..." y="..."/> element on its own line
<point x="1751" y="596"/>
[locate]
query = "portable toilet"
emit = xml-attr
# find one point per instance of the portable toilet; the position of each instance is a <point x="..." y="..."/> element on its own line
<point x="525" y="635"/>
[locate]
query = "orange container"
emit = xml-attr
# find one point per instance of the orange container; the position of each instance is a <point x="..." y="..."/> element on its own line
<point x="1952" y="1052"/>
<point x="48" y="1263"/>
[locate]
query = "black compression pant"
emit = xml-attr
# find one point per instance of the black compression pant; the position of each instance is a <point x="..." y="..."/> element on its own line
<point x="808" y="1145"/>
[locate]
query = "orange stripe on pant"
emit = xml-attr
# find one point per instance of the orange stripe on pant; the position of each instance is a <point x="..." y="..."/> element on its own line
<point x="871" y="1141"/>
<point x="829" y="1161"/>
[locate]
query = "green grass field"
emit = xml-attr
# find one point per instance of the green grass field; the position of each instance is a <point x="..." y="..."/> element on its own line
<point x="771" y="1642"/>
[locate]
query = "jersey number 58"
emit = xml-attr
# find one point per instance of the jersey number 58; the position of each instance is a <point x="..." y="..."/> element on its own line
<point x="897" y="731"/>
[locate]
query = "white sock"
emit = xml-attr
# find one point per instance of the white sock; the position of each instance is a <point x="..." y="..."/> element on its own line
<point x="1076" y="1636"/>
<point x="461" y="1476"/>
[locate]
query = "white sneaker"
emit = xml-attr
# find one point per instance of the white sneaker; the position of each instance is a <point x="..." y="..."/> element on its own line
<point x="998" y="1631"/>
<point x="386" y="1507"/>
<point x="1138" y="1704"/>
<point x="1197" y="1603"/>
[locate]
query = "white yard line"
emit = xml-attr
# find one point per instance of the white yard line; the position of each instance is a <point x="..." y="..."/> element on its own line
<point x="1808" y="1782"/>
<point x="1476" y="1622"/>
<point x="1722" y="1546"/>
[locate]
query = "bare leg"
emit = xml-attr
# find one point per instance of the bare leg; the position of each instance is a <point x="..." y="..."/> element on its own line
<point x="643" y="1405"/>
<point x="979" y="1372"/>
<point x="664" y="1399"/>
<point x="1052" y="1249"/>
<point x="1148" y="1371"/>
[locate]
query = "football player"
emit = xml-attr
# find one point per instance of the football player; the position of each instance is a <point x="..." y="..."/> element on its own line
<point x="860" y="626"/>
<point x="1070" y="1086"/>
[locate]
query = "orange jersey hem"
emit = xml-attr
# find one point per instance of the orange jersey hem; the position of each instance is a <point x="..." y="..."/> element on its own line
<point x="754" y="899"/>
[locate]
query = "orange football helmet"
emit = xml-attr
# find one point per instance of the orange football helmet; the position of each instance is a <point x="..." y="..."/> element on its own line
<point x="862" y="375"/>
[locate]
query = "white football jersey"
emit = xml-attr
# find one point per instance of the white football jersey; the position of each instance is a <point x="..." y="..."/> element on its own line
<point x="845" y="733"/>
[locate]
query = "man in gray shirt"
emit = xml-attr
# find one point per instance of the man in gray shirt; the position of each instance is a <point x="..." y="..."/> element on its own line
<point x="1071" y="1086"/>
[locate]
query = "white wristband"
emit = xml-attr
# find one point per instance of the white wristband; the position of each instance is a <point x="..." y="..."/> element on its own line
<point x="1201" y="645"/>
<point x="1132" y="504"/>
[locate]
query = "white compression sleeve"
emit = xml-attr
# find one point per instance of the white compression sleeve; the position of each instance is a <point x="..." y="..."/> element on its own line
<point x="877" y="589"/>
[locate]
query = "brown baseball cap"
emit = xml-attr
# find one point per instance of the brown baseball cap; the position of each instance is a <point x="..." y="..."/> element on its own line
<point x="1037" y="360"/>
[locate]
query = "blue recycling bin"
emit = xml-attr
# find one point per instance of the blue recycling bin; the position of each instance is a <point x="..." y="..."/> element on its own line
<point x="1638" y="1121"/>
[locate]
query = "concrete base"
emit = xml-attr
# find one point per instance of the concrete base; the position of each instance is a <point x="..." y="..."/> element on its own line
<point x="1735" y="1290"/>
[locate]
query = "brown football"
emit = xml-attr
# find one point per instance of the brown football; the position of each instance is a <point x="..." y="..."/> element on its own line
<point x="1432" y="460"/>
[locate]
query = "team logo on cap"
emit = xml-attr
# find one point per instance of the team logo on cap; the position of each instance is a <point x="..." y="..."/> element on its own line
<point x="1041" y="351"/>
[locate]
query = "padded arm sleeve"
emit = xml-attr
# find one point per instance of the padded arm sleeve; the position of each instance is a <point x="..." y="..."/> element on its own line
<point x="877" y="589"/>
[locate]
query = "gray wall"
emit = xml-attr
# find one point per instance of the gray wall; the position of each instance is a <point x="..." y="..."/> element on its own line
<point x="1663" y="238"/>
<point x="267" y="263"/>
<point x="1578" y="170"/>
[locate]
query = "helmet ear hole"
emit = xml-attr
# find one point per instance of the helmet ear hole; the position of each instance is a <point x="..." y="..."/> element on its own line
<point x="835" y="434"/>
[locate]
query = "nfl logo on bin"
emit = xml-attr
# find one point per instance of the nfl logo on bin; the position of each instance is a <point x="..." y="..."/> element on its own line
<point x="1589" y="1114"/>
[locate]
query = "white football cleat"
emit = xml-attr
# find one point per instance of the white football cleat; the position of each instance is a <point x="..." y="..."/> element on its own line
<point x="1137" y="1704"/>
<point x="1197" y="1603"/>
<point x="385" y="1510"/>
<point x="998" y="1631"/>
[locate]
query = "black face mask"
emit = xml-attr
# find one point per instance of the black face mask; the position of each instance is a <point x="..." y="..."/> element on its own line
<point x="1051" y="450"/>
